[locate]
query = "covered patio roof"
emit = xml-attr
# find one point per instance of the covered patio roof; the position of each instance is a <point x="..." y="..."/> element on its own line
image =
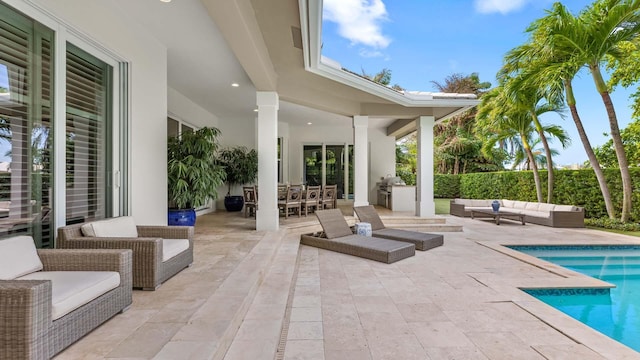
<point x="274" y="46"/>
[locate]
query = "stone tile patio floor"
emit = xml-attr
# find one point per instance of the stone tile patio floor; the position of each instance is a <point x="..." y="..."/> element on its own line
<point x="261" y="295"/>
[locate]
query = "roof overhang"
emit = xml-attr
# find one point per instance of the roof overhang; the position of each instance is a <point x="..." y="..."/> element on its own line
<point x="314" y="62"/>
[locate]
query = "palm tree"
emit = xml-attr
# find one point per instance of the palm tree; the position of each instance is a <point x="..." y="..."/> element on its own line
<point x="531" y="99"/>
<point x="539" y="64"/>
<point x="502" y="120"/>
<point x="588" y="38"/>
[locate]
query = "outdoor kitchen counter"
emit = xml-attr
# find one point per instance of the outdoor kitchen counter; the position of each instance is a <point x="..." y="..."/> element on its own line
<point x="399" y="198"/>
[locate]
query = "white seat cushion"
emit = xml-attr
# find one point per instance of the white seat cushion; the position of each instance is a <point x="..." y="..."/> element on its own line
<point x="123" y="226"/>
<point x="173" y="247"/>
<point x="539" y="214"/>
<point x="18" y="257"/>
<point x="72" y="289"/>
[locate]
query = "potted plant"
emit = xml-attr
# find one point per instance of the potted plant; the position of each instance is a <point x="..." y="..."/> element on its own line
<point x="193" y="174"/>
<point x="241" y="166"/>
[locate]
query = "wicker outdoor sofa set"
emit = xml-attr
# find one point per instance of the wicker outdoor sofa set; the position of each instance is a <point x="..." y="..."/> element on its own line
<point x="50" y="298"/>
<point x="566" y="216"/>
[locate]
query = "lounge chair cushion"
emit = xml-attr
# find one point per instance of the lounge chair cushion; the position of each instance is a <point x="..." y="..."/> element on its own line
<point x="422" y="241"/>
<point x="18" y="257"/>
<point x="123" y="226"/>
<point x="72" y="289"/>
<point x="173" y="247"/>
<point x="373" y="248"/>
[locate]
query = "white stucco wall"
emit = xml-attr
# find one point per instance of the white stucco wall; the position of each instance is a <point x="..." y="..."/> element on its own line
<point x="105" y="25"/>
<point x="381" y="150"/>
<point x="186" y="110"/>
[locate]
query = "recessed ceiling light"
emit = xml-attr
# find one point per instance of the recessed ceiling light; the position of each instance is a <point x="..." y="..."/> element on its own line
<point x="165" y="1"/>
<point x="235" y="84"/>
<point x="309" y="123"/>
<point x="256" y="110"/>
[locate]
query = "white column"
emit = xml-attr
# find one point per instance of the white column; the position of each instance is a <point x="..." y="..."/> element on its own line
<point x="267" y="217"/>
<point x="361" y="161"/>
<point x="425" y="206"/>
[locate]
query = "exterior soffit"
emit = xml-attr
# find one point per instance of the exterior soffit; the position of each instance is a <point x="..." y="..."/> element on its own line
<point x="237" y="22"/>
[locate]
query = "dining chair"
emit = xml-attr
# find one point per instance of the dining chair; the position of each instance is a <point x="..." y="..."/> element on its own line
<point x="282" y="191"/>
<point x="311" y="199"/>
<point x="293" y="200"/>
<point x="250" y="200"/>
<point x="329" y="199"/>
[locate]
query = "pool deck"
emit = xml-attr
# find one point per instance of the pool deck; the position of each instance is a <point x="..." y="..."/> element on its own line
<point x="262" y="295"/>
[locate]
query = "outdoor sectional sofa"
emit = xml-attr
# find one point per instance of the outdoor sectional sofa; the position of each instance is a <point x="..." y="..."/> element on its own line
<point x="566" y="216"/>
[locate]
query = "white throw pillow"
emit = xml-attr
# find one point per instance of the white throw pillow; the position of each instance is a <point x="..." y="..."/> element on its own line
<point x="123" y="226"/>
<point x="18" y="257"/>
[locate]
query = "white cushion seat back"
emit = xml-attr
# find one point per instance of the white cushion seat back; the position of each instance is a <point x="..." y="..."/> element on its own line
<point x="479" y="203"/>
<point x="72" y="289"/>
<point x="565" y="208"/>
<point x="18" y="257"/>
<point x="532" y="206"/>
<point x="123" y="226"/>
<point x="173" y="247"/>
<point x="546" y="207"/>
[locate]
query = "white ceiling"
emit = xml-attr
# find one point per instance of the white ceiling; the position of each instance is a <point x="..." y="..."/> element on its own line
<point x="200" y="64"/>
<point x="202" y="67"/>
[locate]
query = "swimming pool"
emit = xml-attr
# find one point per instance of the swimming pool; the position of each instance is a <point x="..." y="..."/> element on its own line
<point x="614" y="312"/>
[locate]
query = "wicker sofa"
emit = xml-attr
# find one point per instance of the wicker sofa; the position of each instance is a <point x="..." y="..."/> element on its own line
<point x="159" y="252"/>
<point x="566" y="216"/>
<point x="51" y="298"/>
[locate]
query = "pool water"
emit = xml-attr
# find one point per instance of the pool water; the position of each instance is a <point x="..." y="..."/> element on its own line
<point x="614" y="312"/>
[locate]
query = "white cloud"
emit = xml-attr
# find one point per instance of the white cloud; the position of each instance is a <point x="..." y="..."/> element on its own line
<point x="358" y="21"/>
<point x="501" y="6"/>
<point x="370" y="53"/>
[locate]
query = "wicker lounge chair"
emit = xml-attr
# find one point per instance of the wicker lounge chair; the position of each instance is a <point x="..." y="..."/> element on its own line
<point x="339" y="237"/>
<point x="149" y="247"/>
<point x="37" y="320"/>
<point x="423" y="241"/>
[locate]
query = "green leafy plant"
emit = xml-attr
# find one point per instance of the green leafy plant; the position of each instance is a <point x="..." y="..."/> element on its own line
<point x="193" y="174"/>
<point x="240" y="164"/>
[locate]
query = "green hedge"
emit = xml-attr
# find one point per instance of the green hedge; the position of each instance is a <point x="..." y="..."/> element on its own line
<point x="446" y="186"/>
<point x="574" y="187"/>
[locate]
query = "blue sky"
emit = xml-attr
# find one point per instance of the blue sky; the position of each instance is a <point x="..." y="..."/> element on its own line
<point x="425" y="40"/>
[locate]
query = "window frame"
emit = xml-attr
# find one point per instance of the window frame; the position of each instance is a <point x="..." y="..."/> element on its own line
<point x="121" y="111"/>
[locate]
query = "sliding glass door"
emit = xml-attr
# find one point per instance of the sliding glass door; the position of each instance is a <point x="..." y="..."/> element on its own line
<point x="26" y="108"/>
<point x="330" y="165"/>
<point x="31" y="172"/>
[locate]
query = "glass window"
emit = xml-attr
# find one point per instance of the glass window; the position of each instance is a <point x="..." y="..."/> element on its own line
<point x="88" y="124"/>
<point x="26" y="88"/>
<point x="173" y="127"/>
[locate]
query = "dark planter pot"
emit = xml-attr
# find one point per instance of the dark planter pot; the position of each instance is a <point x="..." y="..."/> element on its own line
<point x="182" y="217"/>
<point x="233" y="202"/>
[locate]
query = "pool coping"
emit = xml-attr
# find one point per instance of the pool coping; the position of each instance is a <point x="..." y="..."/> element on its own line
<point x="567" y="279"/>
